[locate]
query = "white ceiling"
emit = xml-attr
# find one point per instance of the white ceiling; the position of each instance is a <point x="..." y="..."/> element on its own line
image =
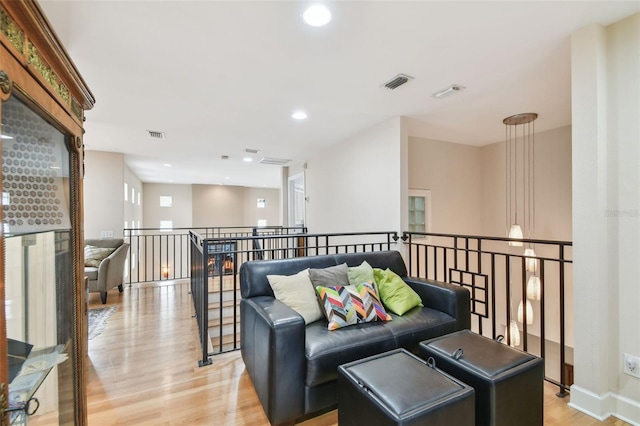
<point x="222" y="76"/>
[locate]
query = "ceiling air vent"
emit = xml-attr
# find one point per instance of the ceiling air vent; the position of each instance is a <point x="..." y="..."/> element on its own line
<point x="274" y="161"/>
<point x="397" y="81"/>
<point x="156" y="134"/>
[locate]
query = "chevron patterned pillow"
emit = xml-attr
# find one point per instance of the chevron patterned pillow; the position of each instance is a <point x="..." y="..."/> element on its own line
<point x="351" y="304"/>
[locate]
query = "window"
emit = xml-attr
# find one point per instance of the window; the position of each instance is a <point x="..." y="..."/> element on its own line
<point x="126" y="192"/>
<point x="262" y="223"/>
<point x="166" y="201"/>
<point x="166" y="225"/>
<point x="419" y="210"/>
<point x="133" y="195"/>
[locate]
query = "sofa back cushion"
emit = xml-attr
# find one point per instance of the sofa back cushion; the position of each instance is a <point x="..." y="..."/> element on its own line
<point x="253" y="274"/>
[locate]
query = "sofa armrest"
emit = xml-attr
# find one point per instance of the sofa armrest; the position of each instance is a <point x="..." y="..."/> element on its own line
<point x="273" y="349"/>
<point x="448" y="298"/>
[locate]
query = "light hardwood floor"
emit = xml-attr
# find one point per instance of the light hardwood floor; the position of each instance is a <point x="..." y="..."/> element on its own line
<point x="143" y="370"/>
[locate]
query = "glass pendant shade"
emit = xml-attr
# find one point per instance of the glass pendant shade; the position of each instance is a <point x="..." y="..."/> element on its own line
<point x="534" y="291"/>
<point x="531" y="263"/>
<point x="514" y="333"/>
<point x="515" y="232"/>
<point x="529" y="313"/>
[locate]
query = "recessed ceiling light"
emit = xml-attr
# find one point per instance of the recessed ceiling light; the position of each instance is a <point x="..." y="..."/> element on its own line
<point x="227" y="177"/>
<point x="247" y="159"/>
<point x="317" y="15"/>
<point x="167" y="165"/>
<point x="299" y="115"/>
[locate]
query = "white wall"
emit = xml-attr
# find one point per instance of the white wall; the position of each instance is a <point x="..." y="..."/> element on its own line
<point x="179" y="213"/>
<point x="103" y="193"/>
<point x="605" y="66"/>
<point x="356" y="185"/>
<point x="451" y="171"/>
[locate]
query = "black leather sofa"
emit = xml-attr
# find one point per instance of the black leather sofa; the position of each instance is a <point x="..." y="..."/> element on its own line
<point x="293" y="367"/>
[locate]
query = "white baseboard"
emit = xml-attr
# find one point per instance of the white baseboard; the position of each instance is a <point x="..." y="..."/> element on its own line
<point x="605" y="405"/>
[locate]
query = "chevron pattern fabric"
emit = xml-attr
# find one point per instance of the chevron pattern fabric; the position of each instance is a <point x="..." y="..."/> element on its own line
<point x="351" y="304"/>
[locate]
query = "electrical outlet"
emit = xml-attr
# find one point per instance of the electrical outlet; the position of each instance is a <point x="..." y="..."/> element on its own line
<point x="106" y="234"/>
<point x="631" y="365"/>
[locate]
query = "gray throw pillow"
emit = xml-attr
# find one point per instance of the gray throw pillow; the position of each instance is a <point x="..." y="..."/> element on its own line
<point x="331" y="276"/>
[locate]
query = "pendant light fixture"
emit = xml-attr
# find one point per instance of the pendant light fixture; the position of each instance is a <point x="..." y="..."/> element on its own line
<point x="534" y="291"/>
<point x="529" y="309"/>
<point x="514" y="333"/>
<point x="519" y="133"/>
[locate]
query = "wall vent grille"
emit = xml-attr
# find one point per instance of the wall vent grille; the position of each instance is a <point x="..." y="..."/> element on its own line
<point x="397" y="81"/>
<point x="156" y="134"/>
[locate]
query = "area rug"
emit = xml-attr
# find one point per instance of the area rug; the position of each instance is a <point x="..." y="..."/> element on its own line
<point x="98" y="318"/>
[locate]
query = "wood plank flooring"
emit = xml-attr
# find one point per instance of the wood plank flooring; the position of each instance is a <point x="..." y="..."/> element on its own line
<point x="143" y="370"/>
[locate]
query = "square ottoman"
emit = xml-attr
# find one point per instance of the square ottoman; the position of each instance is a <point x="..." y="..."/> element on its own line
<point x="398" y="388"/>
<point x="507" y="381"/>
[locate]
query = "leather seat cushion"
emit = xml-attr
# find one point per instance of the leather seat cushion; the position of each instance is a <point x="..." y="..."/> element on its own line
<point x="419" y="324"/>
<point x="326" y="350"/>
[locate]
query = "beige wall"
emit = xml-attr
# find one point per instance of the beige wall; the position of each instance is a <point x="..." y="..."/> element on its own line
<point x="103" y="193"/>
<point x="356" y="185"/>
<point x="180" y="212"/>
<point x="451" y="171"/>
<point x="271" y="213"/>
<point x="218" y="205"/>
<point x="223" y="205"/>
<point x="605" y="73"/>
<point x="552" y="187"/>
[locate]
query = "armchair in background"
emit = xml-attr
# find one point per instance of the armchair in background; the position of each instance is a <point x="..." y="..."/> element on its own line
<point x="104" y="264"/>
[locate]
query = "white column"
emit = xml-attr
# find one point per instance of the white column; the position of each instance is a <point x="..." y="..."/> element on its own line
<point x="593" y="299"/>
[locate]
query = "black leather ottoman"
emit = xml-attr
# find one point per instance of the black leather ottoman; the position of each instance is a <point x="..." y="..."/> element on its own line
<point x="508" y="382"/>
<point x="398" y="388"/>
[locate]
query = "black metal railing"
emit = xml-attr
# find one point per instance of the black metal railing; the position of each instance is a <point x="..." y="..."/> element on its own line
<point x="157" y="254"/>
<point x="482" y="265"/>
<point x="217" y="261"/>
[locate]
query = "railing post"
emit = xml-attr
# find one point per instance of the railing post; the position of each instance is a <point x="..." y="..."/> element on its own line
<point x="204" y="306"/>
<point x="562" y="392"/>
<point x="508" y="293"/>
<point x="523" y="300"/>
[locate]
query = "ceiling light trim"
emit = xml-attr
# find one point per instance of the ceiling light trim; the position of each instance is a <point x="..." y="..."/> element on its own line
<point x="274" y="161"/>
<point x="447" y="91"/>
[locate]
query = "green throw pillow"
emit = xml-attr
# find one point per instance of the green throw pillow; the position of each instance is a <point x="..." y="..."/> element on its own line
<point x="94" y="255"/>
<point x="395" y="294"/>
<point x="361" y="274"/>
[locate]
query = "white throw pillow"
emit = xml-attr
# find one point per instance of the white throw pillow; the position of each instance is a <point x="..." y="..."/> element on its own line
<point x="296" y="291"/>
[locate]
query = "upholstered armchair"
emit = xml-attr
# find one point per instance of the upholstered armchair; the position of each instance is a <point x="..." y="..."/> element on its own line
<point x="104" y="264"/>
